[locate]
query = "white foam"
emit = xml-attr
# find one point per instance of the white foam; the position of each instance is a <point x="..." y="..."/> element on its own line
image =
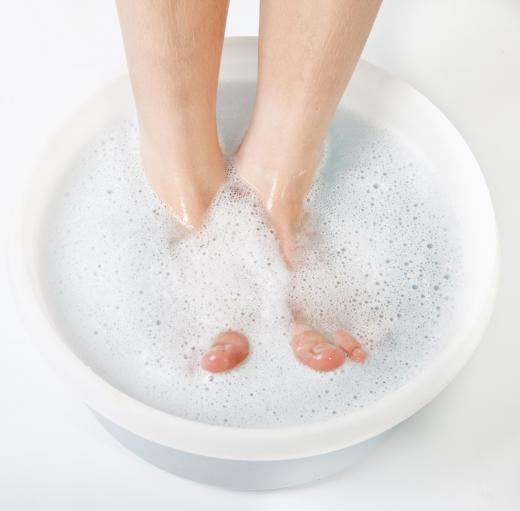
<point x="140" y="305"/>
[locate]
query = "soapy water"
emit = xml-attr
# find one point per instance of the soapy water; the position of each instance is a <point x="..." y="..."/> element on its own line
<point x="139" y="302"/>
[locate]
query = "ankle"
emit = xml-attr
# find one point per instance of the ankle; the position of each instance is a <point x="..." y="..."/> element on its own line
<point x="186" y="180"/>
<point x="281" y="167"/>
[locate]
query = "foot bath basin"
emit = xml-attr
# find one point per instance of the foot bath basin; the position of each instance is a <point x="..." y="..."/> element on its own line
<point x="407" y="218"/>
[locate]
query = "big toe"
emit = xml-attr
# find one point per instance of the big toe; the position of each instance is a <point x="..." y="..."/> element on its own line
<point x="228" y="350"/>
<point x="313" y="350"/>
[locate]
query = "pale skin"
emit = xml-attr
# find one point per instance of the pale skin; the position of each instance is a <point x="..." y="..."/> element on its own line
<point x="307" y="53"/>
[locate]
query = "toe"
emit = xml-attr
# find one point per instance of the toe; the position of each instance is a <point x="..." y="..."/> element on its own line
<point x="351" y="346"/>
<point x="313" y="350"/>
<point x="228" y="350"/>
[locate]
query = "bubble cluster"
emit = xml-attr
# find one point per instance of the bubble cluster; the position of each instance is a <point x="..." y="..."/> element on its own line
<point x="139" y="302"/>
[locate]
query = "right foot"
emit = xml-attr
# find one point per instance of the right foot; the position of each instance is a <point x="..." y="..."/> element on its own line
<point x="227" y="351"/>
<point x="185" y="180"/>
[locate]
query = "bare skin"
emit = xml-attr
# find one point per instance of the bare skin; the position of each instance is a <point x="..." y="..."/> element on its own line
<point x="173" y="50"/>
<point x="314" y="350"/>
<point x="229" y="348"/>
<point x="307" y="53"/>
<point x="300" y="82"/>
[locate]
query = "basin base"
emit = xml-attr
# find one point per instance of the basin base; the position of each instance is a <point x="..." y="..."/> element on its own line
<point x="238" y="474"/>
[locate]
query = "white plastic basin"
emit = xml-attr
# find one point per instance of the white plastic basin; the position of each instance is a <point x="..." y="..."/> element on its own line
<point x="271" y="457"/>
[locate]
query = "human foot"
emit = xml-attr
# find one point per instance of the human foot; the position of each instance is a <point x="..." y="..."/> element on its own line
<point x="227" y="351"/>
<point x="282" y="196"/>
<point x="186" y="182"/>
<point x="349" y="345"/>
<point x="281" y="171"/>
<point x="314" y="350"/>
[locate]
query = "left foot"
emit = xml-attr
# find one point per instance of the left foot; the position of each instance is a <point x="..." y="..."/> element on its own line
<point x="280" y="167"/>
<point x="278" y="159"/>
<point x="314" y="350"/>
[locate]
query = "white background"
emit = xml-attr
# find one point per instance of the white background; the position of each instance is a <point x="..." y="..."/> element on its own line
<point x="460" y="452"/>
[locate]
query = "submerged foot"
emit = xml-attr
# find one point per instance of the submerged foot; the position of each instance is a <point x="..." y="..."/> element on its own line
<point x="281" y="176"/>
<point x="187" y="182"/>
<point x="349" y="345"/>
<point x="314" y="350"/>
<point x="283" y="204"/>
<point x="227" y="351"/>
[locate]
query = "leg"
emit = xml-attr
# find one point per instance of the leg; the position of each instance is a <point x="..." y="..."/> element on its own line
<point x="307" y="53"/>
<point x="173" y="50"/>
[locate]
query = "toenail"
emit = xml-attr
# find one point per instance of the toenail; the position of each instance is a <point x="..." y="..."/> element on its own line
<point x="321" y="347"/>
<point x="358" y="353"/>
